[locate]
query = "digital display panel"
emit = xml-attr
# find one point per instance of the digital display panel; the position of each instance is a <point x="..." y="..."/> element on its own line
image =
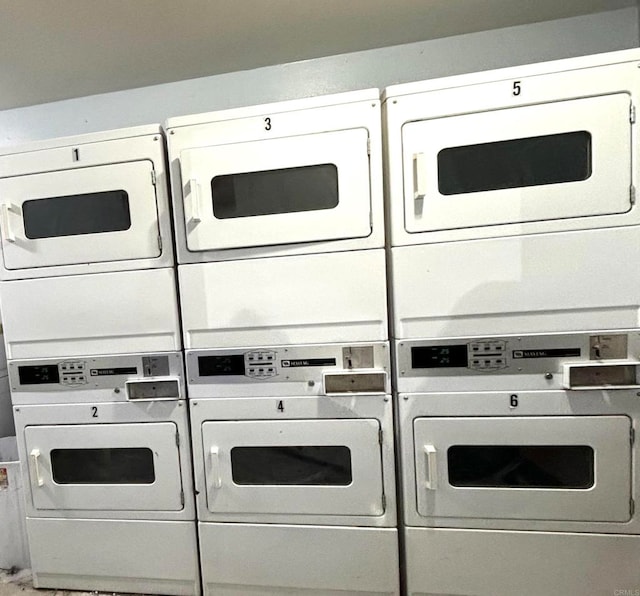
<point x="454" y="356"/>
<point x="217" y="366"/>
<point x="38" y="375"/>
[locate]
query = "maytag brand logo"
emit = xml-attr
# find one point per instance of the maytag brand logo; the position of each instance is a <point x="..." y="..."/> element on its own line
<point x="308" y="362"/>
<point x="550" y="353"/>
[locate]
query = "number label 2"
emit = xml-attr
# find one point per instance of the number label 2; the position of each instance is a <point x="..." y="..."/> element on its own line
<point x="94" y="411"/>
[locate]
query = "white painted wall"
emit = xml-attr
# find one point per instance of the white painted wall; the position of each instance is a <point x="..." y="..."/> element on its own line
<point x="591" y="34"/>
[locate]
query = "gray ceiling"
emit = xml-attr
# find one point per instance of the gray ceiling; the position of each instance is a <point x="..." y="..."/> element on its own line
<point x="57" y="49"/>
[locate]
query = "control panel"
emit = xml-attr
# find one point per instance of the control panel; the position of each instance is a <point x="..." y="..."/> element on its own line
<point x="101" y="372"/>
<point x="519" y="355"/>
<point x="308" y="364"/>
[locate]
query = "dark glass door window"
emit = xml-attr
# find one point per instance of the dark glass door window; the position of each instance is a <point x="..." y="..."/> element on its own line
<point x="122" y="465"/>
<point x="532" y="161"/>
<point x="299" y="465"/>
<point x="521" y="466"/>
<point x="75" y="215"/>
<point x="287" y="190"/>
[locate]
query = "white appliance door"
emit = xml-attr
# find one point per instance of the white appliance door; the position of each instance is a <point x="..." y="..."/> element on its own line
<point x="84" y="215"/>
<point x="294" y="466"/>
<point x="538" y="468"/>
<point x="112" y="467"/>
<point x="533" y="163"/>
<point x="278" y="191"/>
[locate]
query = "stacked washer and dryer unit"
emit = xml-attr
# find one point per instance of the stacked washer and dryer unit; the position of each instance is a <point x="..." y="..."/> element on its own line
<point x="93" y="343"/>
<point x="514" y="243"/>
<point x="280" y="239"/>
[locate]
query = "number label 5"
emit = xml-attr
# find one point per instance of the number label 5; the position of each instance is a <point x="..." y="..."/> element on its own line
<point x="516" y="88"/>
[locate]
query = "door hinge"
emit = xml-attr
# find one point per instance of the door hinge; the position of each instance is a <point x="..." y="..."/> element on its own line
<point x="632" y="435"/>
<point x="177" y="439"/>
<point x="380" y="436"/>
<point x="632" y="194"/>
<point x="632" y="507"/>
<point x="159" y="243"/>
<point x="368" y="146"/>
<point x="182" y="496"/>
<point x="153" y="177"/>
<point x="384" y="502"/>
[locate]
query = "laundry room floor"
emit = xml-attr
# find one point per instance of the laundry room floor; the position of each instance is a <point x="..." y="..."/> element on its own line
<point x="19" y="584"/>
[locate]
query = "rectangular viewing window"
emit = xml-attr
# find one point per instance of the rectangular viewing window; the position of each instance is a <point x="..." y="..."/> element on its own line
<point x="532" y="161"/>
<point x="287" y="190"/>
<point x="299" y="465"/>
<point x="122" y="465"/>
<point x="521" y="466"/>
<point x="75" y="215"/>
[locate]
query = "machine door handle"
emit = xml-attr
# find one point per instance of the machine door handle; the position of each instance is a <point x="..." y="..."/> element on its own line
<point x="194" y="202"/>
<point x="5" y="224"/>
<point x="216" y="480"/>
<point x="35" y="455"/>
<point x="431" y="472"/>
<point x="419" y="176"/>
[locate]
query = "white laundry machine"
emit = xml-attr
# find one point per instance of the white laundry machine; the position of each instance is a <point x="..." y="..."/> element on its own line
<point x="87" y="257"/>
<point x="294" y="470"/>
<point x="520" y="463"/>
<point x="279" y="223"/>
<point x="105" y="448"/>
<point x="512" y="199"/>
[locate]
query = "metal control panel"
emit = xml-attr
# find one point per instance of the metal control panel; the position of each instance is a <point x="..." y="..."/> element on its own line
<point x="94" y="373"/>
<point x="539" y="361"/>
<point x="288" y="370"/>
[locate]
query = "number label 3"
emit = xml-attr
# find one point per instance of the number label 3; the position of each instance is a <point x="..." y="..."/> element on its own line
<point x="267" y="123"/>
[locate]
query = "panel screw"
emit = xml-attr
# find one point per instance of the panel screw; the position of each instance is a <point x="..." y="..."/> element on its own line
<point x="195" y="403"/>
<point x="386" y="398"/>
<point x="312" y="383"/>
<point x="172" y="132"/>
<point x="155" y="138"/>
<point x="548" y="376"/>
<point x="405" y="397"/>
<point x="116" y="390"/>
<point x="17" y="409"/>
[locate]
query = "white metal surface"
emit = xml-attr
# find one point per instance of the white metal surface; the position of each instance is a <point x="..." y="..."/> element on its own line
<point x="149" y="557"/>
<point x="322" y="298"/>
<point x="346" y="149"/>
<point x="597" y="419"/>
<point x="604" y="192"/>
<point x="127" y="159"/>
<point x="551" y="257"/>
<point x="354" y="421"/>
<point x="343" y="130"/>
<point x="82" y="315"/>
<point x="498" y="563"/>
<point x="240" y="559"/>
<point x="160" y="426"/>
<point x="606" y="500"/>
<point x="165" y="493"/>
<point x="361" y="496"/>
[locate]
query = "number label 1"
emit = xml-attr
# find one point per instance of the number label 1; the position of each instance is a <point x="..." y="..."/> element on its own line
<point x="94" y="411"/>
<point x="280" y="406"/>
<point x="513" y="400"/>
<point x="267" y="123"/>
<point x="516" y="88"/>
